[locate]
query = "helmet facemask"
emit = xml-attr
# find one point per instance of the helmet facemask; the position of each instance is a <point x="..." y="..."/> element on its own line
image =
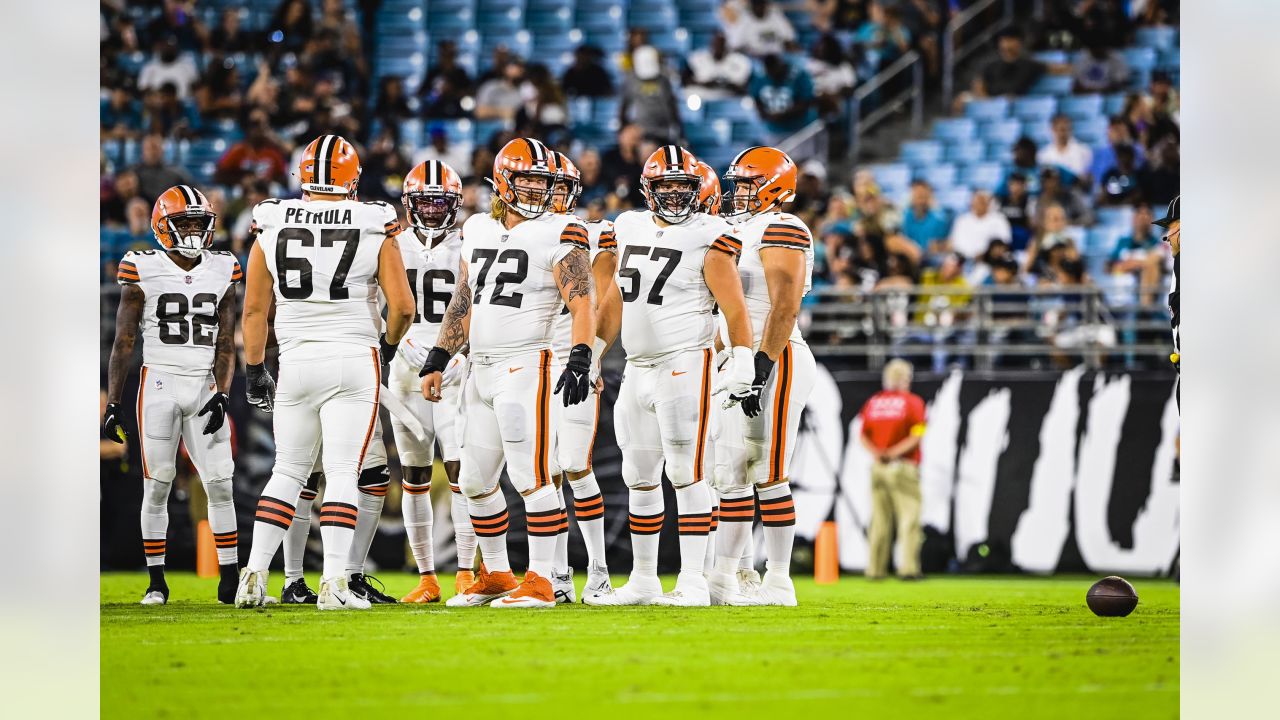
<point x="564" y="197"/>
<point x="531" y="192"/>
<point x="673" y="197"/>
<point x="432" y="212"/>
<point x="190" y="231"/>
<point x="741" y="197"/>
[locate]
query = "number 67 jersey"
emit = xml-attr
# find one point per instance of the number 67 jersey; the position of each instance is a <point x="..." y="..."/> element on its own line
<point x="180" y="315"/>
<point x="323" y="258"/>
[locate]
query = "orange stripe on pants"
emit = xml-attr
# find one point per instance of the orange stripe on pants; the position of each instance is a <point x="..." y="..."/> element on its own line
<point x="781" y="399"/>
<point x="142" y="385"/>
<point x="704" y="402"/>
<point x="377" y="396"/>
<point x="541" y="472"/>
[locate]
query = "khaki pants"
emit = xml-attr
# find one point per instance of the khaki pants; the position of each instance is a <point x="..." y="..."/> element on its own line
<point x="895" y="497"/>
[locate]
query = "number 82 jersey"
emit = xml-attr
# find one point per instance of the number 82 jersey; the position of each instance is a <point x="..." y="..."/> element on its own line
<point x="180" y="310"/>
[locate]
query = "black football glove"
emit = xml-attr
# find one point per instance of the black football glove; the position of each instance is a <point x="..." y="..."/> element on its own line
<point x="111" y="427"/>
<point x="261" y="387"/>
<point x="386" y="350"/>
<point x="751" y="403"/>
<point x="216" y="409"/>
<point x="437" y="361"/>
<point x="576" y="378"/>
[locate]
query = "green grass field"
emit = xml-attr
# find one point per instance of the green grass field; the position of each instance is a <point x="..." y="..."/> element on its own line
<point x="1024" y="648"/>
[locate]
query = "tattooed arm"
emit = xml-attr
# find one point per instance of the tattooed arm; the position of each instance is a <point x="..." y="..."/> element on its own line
<point x="456" y="327"/>
<point x="573" y="277"/>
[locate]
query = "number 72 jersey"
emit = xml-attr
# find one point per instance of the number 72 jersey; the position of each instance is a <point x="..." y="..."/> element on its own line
<point x="323" y="260"/>
<point x="180" y="307"/>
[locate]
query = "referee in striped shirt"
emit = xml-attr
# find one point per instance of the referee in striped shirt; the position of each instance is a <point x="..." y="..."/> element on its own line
<point x="1172" y="228"/>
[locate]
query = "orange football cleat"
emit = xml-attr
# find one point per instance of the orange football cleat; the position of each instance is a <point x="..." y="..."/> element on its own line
<point x="462" y="581"/>
<point x="534" y="592"/>
<point x="488" y="586"/>
<point x="428" y="591"/>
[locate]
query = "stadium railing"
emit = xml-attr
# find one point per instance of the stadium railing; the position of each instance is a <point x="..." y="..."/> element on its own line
<point x="962" y="38"/>
<point x="809" y="142"/>
<point x="871" y="95"/>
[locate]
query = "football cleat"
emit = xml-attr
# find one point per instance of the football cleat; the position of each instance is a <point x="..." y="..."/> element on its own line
<point x="488" y="586"/>
<point x="229" y="578"/>
<point x="777" y="589"/>
<point x="721" y="586"/>
<point x="336" y="594"/>
<point x="690" y="591"/>
<point x="562" y="586"/>
<point x="252" y="589"/>
<point x="597" y="581"/>
<point x="428" y="590"/>
<point x="637" y="591"/>
<point x="359" y="584"/>
<point x="462" y="581"/>
<point x="534" y="592"/>
<point x="155" y="597"/>
<point x="297" y="593"/>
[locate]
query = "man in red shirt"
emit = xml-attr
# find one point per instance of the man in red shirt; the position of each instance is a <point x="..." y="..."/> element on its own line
<point x="893" y="423"/>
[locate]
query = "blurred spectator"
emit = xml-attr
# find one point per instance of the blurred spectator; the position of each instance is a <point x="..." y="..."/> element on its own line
<point x="1160" y="179"/>
<point x="1119" y="184"/>
<point x="811" y="192"/>
<point x="327" y="58"/>
<point x="257" y="155"/>
<point x="393" y="104"/>
<point x="168" y="67"/>
<point x="1100" y="23"/>
<point x="291" y="25"/>
<point x="924" y="223"/>
<point x="593" y="185"/>
<point x="1162" y="97"/>
<point x="1012" y="72"/>
<point x="759" y="28"/>
<point x="255" y="191"/>
<point x="828" y="15"/>
<point x="784" y="97"/>
<point x="622" y="165"/>
<point x="1015" y="205"/>
<point x="218" y="94"/>
<point x="648" y="98"/>
<point x="1065" y="152"/>
<point x="832" y="73"/>
<point x="716" y="72"/>
<point x="973" y="231"/>
<point x="120" y="115"/>
<point x="383" y="168"/>
<point x="882" y="36"/>
<point x="1051" y="245"/>
<point x="445" y="84"/>
<point x="893" y="424"/>
<point x="137" y="214"/>
<point x="177" y="20"/>
<point x="544" y="113"/>
<point x="898" y="273"/>
<point x="114" y="202"/>
<point x="981" y="270"/>
<point x="499" y="98"/>
<point x="1099" y="70"/>
<point x="587" y="76"/>
<point x="1055" y="192"/>
<point x="1104" y="157"/>
<point x="1024" y="163"/>
<point x="164" y="113"/>
<point x="479" y="168"/>
<point x="440" y="147"/>
<point x="926" y="19"/>
<point x="1138" y="258"/>
<point x="154" y="176"/>
<point x="230" y="37"/>
<point x="949" y="276"/>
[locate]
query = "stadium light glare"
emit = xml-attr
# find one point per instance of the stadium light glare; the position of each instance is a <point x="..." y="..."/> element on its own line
<point x="694" y="102"/>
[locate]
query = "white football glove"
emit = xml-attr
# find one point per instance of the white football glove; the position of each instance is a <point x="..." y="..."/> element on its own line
<point x="737" y="377"/>
<point x="413" y="354"/>
<point x="597" y="352"/>
<point x="456" y="372"/>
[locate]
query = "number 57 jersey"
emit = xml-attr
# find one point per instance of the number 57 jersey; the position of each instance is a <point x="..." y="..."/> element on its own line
<point x="323" y="259"/>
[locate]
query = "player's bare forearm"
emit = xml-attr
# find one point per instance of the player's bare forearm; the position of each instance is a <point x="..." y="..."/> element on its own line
<point x="258" y="298"/>
<point x="573" y="277"/>
<point x="224" y="359"/>
<point x="608" y="298"/>
<point x="128" y="314"/>
<point x="784" y="275"/>
<point x="456" y="327"/>
<point x="721" y="274"/>
<point x="394" y="282"/>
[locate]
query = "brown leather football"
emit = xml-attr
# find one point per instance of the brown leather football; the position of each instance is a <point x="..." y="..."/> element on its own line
<point x="1112" y="597"/>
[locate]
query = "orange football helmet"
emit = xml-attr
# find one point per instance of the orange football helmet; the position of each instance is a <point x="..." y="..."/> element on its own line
<point x="709" y="193"/>
<point x="330" y="165"/>
<point x="182" y="221"/>
<point x="759" y="179"/>
<point x="564" y="198"/>
<point x="677" y="170"/>
<point x="525" y="158"/>
<point x="431" y="196"/>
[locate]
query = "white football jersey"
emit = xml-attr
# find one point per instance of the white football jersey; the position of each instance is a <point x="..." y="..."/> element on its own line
<point x="180" y="314"/>
<point x="666" y="304"/>
<point x="323" y="259"/>
<point x="770" y="229"/>
<point x="512" y="278"/>
<point x="433" y="274"/>
<point x="601" y="238"/>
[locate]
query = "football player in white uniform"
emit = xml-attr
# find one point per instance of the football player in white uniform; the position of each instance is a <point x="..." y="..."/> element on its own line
<point x="324" y="258"/>
<point x="183" y="302"/>
<point x="520" y="265"/>
<point x="676" y="265"/>
<point x="756" y="446"/>
<point x="576" y="424"/>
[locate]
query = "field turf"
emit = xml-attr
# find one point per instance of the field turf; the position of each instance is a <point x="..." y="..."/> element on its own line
<point x="970" y="647"/>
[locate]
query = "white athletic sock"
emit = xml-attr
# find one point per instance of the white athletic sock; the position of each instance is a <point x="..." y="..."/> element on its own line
<point x="748" y="559"/>
<point x="545" y="517"/>
<point x="489" y="518"/>
<point x="778" y="515"/>
<point x="339" y="515"/>
<point x="709" y="559"/>
<point x="737" y="512"/>
<point x="464" y="535"/>
<point x="415" y="507"/>
<point x="295" y="539"/>
<point x="273" y="517"/>
<point x="647" y="512"/>
<point x="222" y="521"/>
<point x="588" y="511"/>
<point x="560" y="563"/>
<point x="693" y="503"/>
<point x="371" y="500"/>
<point x="155" y="519"/>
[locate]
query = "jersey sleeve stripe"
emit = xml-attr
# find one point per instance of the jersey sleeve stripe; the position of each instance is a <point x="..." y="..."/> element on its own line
<point x="608" y="240"/>
<point x="237" y="274"/>
<point x="723" y="246"/>
<point x="785" y="233"/>
<point x="392" y="228"/>
<point x="784" y="243"/>
<point x="128" y="272"/>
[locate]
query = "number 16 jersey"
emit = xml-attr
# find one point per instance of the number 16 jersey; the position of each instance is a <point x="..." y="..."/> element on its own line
<point x="323" y="259"/>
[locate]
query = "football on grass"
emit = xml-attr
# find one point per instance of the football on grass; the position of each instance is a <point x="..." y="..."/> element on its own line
<point x="1112" y="597"/>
